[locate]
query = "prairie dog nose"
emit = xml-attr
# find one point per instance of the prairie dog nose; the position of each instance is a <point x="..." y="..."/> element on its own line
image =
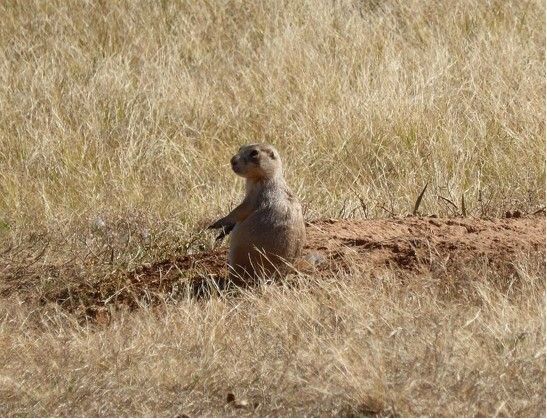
<point x="233" y="160"/>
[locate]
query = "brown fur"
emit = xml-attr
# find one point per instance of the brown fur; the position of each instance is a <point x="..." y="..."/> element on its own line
<point x="268" y="226"/>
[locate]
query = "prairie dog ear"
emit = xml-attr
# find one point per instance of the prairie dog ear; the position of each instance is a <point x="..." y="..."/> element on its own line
<point x="272" y="155"/>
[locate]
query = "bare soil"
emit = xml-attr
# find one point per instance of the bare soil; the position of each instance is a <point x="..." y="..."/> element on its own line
<point x="427" y="243"/>
<point x="442" y="246"/>
<point x="408" y="243"/>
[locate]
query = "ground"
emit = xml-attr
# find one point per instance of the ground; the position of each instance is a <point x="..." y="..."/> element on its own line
<point x="393" y="316"/>
<point x="413" y="134"/>
<point x="415" y="244"/>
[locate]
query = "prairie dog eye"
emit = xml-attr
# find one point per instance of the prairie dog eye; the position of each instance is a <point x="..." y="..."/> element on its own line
<point x="253" y="153"/>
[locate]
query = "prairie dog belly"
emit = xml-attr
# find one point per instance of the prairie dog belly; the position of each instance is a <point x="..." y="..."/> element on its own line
<point x="266" y="241"/>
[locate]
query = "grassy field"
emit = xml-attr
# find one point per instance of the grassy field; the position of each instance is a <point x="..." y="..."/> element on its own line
<point x="117" y="122"/>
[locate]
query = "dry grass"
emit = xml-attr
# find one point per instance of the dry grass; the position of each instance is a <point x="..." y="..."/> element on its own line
<point x="118" y="106"/>
<point x="127" y="112"/>
<point x="394" y="345"/>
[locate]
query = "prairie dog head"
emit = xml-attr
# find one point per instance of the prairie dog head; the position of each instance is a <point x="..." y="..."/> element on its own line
<point x="257" y="161"/>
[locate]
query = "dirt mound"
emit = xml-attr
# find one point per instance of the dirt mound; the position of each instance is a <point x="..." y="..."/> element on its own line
<point x="373" y="245"/>
<point x="418" y="243"/>
<point x="440" y="245"/>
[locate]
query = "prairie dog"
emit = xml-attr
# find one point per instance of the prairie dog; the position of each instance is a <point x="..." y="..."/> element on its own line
<point x="267" y="227"/>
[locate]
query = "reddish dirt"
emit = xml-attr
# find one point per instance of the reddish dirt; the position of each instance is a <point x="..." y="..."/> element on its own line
<point x="412" y="243"/>
<point x="439" y="245"/>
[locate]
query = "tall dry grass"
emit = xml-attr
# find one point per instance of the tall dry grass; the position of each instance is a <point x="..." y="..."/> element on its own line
<point x="123" y="107"/>
<point x="117" y="120"/>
